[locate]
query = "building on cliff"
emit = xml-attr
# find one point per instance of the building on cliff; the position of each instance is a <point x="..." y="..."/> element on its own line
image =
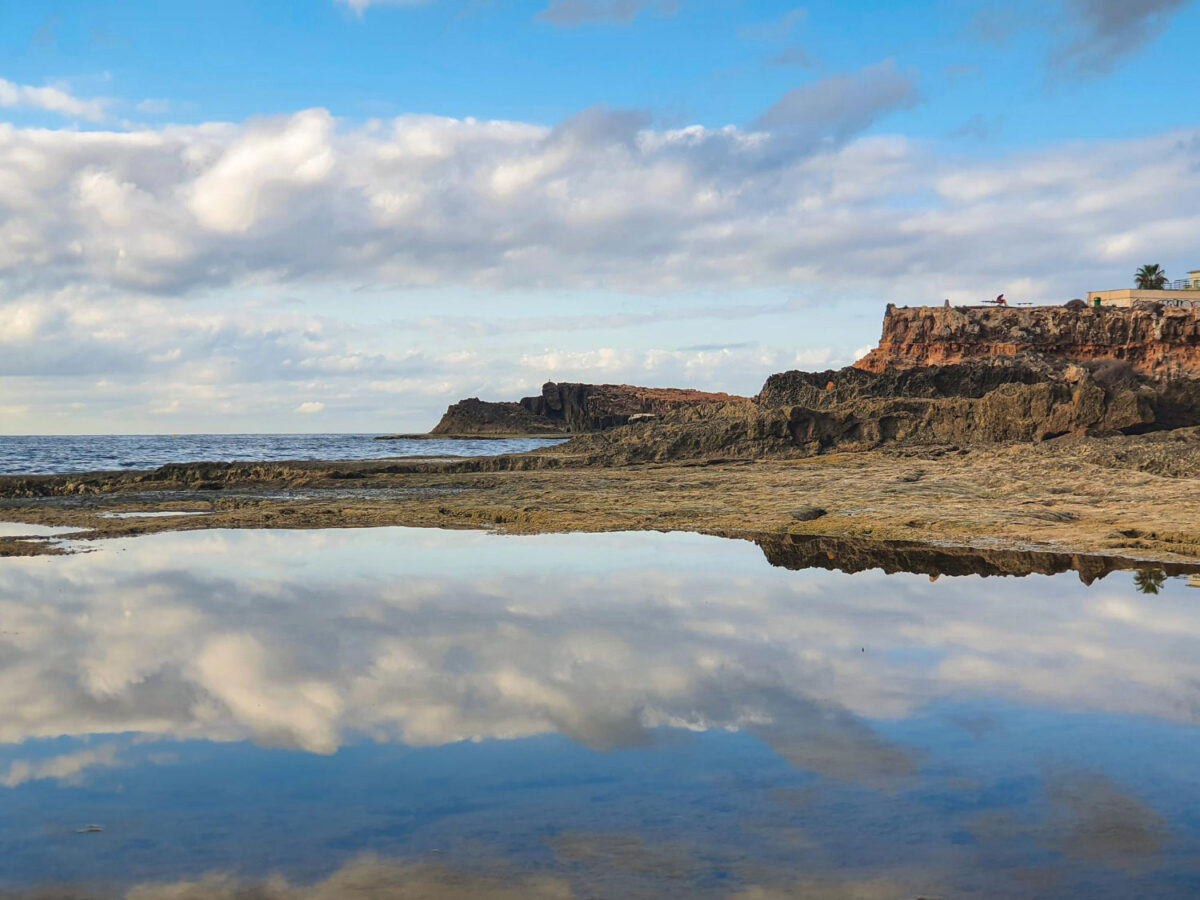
<point x="1185" y="292"/>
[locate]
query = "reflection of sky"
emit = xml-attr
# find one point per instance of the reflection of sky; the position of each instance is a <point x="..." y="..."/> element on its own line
<point x="204" y="695"/>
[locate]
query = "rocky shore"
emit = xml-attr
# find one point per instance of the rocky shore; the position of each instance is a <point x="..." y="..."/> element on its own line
<point x="1073" y="461"/>
<point x="1133" y="497"/>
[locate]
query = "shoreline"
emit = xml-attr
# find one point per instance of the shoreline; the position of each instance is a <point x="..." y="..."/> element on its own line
<point x="428" y="436"/>
<point x="1132" y="497"/>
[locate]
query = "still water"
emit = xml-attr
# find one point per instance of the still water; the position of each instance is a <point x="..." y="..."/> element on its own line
<point x="403" y="712"/>
<point x="60" y="454"/>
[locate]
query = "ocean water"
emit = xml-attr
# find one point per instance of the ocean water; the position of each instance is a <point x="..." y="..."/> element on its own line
<point x="56" y="454"/>
<point x="404" y="712"/>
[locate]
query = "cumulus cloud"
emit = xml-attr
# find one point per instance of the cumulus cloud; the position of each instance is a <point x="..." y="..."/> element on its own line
<point x="572" y="13"/>
<point x="152" y="363"/>
<point x="600" y="201"/>
<point x="1109" y="31"/>
<point x="108" y="235"/>
<point x="51" y="99"/>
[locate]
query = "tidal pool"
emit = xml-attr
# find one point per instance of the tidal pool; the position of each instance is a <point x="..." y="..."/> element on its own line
<point x="403" y="712"/>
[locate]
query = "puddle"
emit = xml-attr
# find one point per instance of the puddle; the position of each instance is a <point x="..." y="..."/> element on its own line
<point x="594" y="715"/>
<point x="20" y="529"/>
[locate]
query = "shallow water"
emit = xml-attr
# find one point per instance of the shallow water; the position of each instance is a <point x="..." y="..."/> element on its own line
<point x="594" y="715"/>
<point x="59" y="454"/>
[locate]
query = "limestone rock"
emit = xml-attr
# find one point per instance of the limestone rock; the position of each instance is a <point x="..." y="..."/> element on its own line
<point x="1160" y="342"/>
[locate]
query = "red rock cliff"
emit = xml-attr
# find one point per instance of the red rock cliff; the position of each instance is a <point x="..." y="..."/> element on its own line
<point x="1162" y="344"/>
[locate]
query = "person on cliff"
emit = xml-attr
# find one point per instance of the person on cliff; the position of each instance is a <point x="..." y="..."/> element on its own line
<point x="1000" y="301"/>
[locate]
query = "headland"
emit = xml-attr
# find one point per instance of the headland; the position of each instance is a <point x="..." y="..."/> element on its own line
<point x="1041" y="430"/>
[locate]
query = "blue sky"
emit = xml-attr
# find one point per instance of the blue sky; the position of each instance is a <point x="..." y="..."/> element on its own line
<point x="329" y="215"/>
<point x="711" y="63"/>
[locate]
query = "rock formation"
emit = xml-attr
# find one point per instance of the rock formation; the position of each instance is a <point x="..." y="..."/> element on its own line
<point x="877" y="410"/>
<point x="572" y="408"/>
<point x="1159" y="342"/>
<point x="480" y="417"/>
<point x="940" y="376"/>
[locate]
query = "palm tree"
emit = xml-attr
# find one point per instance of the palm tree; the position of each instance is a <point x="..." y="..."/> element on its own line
<point x="1149" y="581"/>
<point x="1150" y="278"/>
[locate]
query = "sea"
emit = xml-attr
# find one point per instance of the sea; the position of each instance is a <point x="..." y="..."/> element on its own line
<point x="61" y="454"/>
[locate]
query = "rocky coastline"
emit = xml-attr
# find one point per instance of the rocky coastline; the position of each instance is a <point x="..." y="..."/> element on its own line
<point x="1042" y="452"/>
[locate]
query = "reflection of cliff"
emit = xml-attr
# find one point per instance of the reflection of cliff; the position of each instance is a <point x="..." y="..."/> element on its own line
<point x="1155" y="342"/>
<point x="800" y="551"/>
<point x="570" y="408"/>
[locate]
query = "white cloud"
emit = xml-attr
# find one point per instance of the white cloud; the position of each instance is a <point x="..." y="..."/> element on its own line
<point x="600" y="201"/>
<point x="309" y="407"/>
<point x="108" y="236"/>
<point x="51" y="99"/>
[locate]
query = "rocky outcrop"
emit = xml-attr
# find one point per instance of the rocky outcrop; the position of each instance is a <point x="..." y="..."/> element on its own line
<point x="873" y="412"/>
<point x="570" y="407"/>
<point x="1158" y="342"/>
<point x="826" y="390"/>
<point x="480" y="417"/>
<point x="940" y="376"/>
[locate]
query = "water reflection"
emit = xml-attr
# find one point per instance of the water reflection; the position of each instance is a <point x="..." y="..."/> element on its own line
<point x="803" y="551"/>
<point x="596" y="714"/>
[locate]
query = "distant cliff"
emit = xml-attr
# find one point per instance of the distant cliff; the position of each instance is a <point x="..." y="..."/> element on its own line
<point x="571" y="408"/>
<point x="478" y="417"/>
<point x="1160" y="343"/>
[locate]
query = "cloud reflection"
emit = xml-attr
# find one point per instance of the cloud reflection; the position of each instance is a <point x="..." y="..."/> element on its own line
<point x="309" y="640"/>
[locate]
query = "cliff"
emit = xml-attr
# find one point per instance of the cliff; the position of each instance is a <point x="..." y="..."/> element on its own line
<point x="572" y="408"/>
<point x="480" y="417"/>
<point x="940" y="376"/>
<point x="1162" y="343"/>
<point x="792" y="419"/>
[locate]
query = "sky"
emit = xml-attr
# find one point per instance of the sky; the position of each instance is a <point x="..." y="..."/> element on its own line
<point x="343" y="215"/>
